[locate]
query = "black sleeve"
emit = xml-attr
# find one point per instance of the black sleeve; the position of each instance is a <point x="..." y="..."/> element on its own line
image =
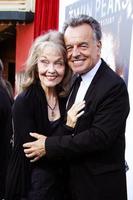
<point x="108" y="122"/>
<point x="18" y="173"/>
<point x="23" y="119"/>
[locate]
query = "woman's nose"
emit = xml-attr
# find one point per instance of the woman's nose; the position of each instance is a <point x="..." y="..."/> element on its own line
<point x="51" y="68"/>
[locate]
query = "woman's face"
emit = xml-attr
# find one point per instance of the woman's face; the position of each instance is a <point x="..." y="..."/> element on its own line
<point x="51" y="67"/>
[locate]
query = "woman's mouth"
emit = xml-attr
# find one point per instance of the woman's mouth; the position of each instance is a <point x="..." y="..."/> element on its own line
<point x="51" y="78"/>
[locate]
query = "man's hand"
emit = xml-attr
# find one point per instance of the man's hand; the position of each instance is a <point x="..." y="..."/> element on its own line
<point x="35" y="150"/>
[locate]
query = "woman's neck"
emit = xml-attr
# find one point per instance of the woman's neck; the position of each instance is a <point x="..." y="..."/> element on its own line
<point x="52" y="103"/>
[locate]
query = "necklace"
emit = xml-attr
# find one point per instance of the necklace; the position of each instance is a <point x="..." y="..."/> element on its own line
<point x="52" y="109"/>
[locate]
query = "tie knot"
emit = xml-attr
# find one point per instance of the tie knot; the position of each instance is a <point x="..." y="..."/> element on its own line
<point x="78" y="79"/>
<point x="74" y="91"/>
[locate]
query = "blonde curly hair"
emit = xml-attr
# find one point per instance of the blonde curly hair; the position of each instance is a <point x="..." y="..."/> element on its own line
<point x="51" y="38"/>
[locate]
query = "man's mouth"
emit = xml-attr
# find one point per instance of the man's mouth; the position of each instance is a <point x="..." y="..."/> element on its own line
<point x="78" y="62"/>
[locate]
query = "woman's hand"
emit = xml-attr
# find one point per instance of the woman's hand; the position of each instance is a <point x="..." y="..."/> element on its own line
<point x="74" y="113"/>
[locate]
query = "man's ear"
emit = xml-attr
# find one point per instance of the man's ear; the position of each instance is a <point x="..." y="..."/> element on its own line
<point x="99" y="46"/>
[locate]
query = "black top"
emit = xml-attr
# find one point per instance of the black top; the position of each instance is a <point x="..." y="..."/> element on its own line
<point x="42" y="179"/>
<point x="5" y="135"/>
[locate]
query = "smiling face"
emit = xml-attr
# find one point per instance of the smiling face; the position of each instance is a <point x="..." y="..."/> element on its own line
<point x="83" y="50"/>
<point x="51" y="67"/>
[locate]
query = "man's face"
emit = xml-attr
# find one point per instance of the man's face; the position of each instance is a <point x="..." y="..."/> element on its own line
<point x="83" y="50"/>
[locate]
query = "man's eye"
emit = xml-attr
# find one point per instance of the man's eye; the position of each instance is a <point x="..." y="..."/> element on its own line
<point x="69" y="48"/>
<point x="84" y="46"/>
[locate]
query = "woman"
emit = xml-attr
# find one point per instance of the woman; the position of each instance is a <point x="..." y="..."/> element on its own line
<point x="39" y="108"/>
<point x="6" y="100"/>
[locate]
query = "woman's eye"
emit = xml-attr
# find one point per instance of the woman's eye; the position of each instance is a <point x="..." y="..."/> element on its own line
<point x="44" y="61"/>
<point x="59" y="63"/>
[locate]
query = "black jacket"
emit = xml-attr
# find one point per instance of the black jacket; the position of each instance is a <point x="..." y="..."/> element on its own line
<point x="95" y="149"/>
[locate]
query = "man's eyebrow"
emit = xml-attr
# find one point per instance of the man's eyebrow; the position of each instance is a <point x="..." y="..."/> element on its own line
<point x="83" y="43"/>
<point x="67" y="45"/>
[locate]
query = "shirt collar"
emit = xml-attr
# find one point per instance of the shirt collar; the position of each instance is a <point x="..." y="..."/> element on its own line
<point x="92" y="72"/>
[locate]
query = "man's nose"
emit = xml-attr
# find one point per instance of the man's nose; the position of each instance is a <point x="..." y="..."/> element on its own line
<point x="75" y="51"/>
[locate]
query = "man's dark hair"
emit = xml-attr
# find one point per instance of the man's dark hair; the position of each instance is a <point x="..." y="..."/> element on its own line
<point x="85" y="19"/>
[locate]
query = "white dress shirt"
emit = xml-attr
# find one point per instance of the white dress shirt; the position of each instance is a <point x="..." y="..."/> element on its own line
<point x="86" y="81"/>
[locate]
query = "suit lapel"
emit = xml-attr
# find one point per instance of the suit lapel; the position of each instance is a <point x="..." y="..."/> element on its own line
<point x="91" y="90"/>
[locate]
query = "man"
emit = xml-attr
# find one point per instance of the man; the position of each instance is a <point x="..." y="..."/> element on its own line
<point x="95" y="149"/>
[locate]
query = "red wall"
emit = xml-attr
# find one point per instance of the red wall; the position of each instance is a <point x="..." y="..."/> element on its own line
<point x="24" y="38"/>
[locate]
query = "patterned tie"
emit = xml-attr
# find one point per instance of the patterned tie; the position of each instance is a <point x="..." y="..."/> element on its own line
<point x="74" y="92"/>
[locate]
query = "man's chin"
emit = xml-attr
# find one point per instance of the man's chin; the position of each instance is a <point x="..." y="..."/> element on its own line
<point x="78" y="70"/>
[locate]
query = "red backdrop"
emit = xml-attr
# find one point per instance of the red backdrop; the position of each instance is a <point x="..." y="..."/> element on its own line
<point x="24" y="39"/>
<point x="46" y="16"/>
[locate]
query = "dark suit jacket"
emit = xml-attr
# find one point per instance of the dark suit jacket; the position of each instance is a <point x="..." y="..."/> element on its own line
<point x="95" y="149"/>
<point x="5" y="136"/>
<point x="41" y="179"/>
